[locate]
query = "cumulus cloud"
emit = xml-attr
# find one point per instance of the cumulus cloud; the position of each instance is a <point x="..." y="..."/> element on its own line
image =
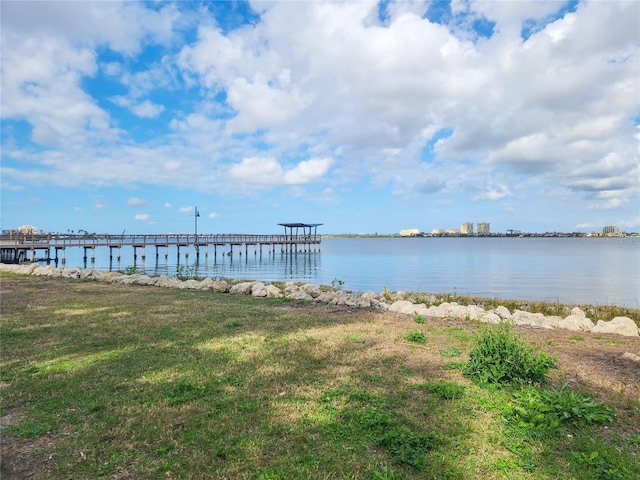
<point x="213" y="215"/>
<point x="497" y="192"/>
<point x="144" y="109"/>
<point x="331" y="93"/>
<point x="186" y="209"/>
<point x="307" y="171"/>
<point x="136" y="202"/>
<point x="142" y="217"/>
<point x="267" y="171"/>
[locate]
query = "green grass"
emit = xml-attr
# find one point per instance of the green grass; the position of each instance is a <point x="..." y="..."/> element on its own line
<point x="134" y="382"/>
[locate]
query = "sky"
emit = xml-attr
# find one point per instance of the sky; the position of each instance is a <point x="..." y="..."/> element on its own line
<point x="365" y="116"/>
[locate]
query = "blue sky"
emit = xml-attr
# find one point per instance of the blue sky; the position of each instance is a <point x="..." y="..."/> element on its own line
<point x="365" y="116"/>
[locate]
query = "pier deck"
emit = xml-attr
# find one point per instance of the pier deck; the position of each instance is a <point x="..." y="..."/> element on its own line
<point x="18" y="248"/>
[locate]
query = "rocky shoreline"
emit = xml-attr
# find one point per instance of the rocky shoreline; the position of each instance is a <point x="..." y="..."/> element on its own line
<point x="396" y="302"/>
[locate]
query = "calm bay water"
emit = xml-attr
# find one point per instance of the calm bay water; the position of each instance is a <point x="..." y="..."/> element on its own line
<point x="569" y="270"/>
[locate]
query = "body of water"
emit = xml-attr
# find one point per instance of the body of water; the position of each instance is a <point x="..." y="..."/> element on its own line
<point x="569" y="270"/>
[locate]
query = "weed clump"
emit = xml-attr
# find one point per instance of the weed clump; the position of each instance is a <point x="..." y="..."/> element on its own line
<point x="417" y="337"/>
<point x="501" y="358"/>
<point x="547" y="410"/>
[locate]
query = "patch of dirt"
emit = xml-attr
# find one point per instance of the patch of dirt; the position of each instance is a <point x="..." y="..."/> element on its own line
<point x="20" y="459"/>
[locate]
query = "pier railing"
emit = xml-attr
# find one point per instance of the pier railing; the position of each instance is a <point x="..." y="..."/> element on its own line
<point x="63" y="241"/>
<point x="15" y="245"/>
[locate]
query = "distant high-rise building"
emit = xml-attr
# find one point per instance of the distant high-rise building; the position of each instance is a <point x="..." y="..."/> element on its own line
<point x="466" y="229"/>
<point x="483" y="229"/>
<point x="409" y="232"/>
<point x="610" y="230"/>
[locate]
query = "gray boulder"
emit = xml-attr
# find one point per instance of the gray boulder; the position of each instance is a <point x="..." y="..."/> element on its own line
<point x="295" y="292"/>
<point x="453" y="310"/>
<point x="474" y="312"/>
<point x="434" y="311"/>
<point x="313" y="290"/>
<point x="576" y="323"/>
<point x="220" y="286"/>
<point x="619" y="325"/>
<point x="259" y="289"/>
<point x="520" y="317"/>
<point x="274" y="292"/>
<point x="490" y="317"/>
<point x="502" y="312"/>
<point x="242" y="288"/>
<point x="403" y="306"/>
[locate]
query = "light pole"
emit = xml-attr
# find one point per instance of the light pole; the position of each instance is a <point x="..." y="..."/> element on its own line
<point x="196" y="215"/>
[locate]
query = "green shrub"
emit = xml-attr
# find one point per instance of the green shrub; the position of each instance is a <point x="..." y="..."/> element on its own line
<point x="450" y="352"/>
<point x="537" y="409"/>
<point x="187" y="272"/>
<point x="129" y="270"/>
<point x="502" y="358"/>
<point x="417" y="337"/>
<point x="419" y="319"/>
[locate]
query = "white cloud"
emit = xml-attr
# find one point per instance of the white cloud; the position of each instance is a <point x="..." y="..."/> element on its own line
<point x="257" y="171"/>
<point x="136" y="202"/>
<point x="584" y="226"/>
<point x="172" y="165"/>
<point x="213" y="215"/>
<point x="307" y="171"/>
<point x="326" y="93"/>
<point x="144" y="109"/>
<point x="607" y="204"/>
<point x="167" y="205"/>
<point x="122" y="26"/>
<point x="630" y="223"/>
<point x="186" y="209"/>
<point x="142" y="217"/>
<point x="497" y="192"/>
<point x="267" y="171"/>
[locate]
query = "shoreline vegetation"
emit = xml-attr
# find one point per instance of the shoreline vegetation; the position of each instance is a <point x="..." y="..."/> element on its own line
<point x="111" y="380"/>
<point x="541" y="314"/>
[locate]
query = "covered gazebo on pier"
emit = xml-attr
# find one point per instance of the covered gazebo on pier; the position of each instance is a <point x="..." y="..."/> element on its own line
<point x="309" y="234"/>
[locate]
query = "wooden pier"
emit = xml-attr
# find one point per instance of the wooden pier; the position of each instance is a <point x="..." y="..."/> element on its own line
<point x="21" y="248"/>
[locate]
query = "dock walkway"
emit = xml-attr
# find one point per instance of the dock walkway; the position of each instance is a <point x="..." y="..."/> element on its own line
<point x="19" y="248"/>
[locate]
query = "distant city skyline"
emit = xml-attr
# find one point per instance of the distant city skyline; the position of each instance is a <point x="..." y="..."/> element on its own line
<point x="364" y="116"/>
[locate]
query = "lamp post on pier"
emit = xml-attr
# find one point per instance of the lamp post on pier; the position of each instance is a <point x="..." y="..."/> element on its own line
<point x="196" y="215"/>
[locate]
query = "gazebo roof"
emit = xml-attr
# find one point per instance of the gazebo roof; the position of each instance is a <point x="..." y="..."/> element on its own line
<point x="300" y="225"/>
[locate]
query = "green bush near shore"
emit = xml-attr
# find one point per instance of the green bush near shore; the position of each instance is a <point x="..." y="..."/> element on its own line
<point x="101" y="381"/>
<point x="501" y="358"/>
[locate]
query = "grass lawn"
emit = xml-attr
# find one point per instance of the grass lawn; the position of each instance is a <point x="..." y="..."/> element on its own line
<point x="113" y="382"/>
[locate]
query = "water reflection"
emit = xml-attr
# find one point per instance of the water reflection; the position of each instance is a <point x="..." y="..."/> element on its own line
<point x="271" y="265"/>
